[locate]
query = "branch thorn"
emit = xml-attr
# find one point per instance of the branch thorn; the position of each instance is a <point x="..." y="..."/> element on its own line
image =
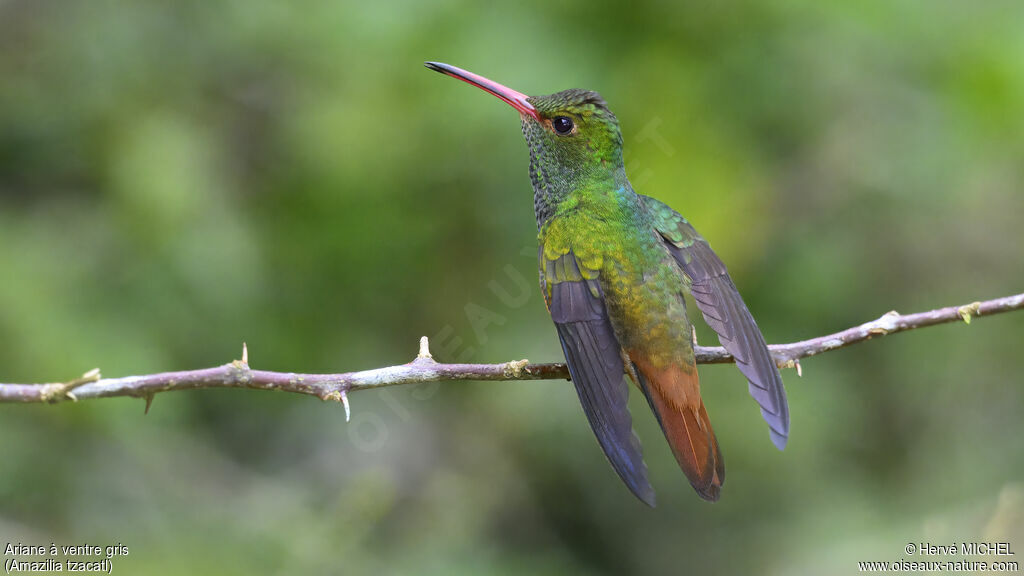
<point x="424" y="349"/>
<point x="344" y="400"/>
<point x="245" y="353"/>
<point x="149" y="402"/>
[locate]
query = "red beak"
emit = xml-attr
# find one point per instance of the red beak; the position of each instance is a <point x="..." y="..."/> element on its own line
<point x="516" y="99"/>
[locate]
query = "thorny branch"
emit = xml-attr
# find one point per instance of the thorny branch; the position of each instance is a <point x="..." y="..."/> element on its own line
<point x="423" y="368"/>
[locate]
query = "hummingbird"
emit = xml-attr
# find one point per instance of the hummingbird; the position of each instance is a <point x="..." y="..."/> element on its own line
<point x="615" y="267"/>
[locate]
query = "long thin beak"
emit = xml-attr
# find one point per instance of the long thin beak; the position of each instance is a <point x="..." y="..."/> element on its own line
<point x="516" y="99"/>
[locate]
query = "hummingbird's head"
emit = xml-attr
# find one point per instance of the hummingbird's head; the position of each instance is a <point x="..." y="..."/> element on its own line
<point x="574" y="139"/>
<point x="575" y="129"/>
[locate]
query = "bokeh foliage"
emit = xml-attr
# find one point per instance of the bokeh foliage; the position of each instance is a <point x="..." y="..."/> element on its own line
<point x="179" y="177"/>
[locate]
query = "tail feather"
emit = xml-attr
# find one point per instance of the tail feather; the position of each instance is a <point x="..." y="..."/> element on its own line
<point x="674" y="396"/>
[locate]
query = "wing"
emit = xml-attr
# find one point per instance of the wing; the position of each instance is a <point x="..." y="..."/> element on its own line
<point x="724" y="310"/>
<point x="595" y="363"/>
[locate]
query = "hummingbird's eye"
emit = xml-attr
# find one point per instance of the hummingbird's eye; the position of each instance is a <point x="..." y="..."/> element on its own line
<point x="562" y="124"/>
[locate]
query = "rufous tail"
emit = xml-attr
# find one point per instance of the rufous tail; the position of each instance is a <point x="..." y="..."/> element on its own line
<point x="674" y="396"/>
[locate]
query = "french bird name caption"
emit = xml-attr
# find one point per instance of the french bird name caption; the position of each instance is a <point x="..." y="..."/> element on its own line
<point x="27" y="558"/>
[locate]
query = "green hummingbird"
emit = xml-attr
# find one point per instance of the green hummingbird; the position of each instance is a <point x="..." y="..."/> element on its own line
<point x="614" y="269"/>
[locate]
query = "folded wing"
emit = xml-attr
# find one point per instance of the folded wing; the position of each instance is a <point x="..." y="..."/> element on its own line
<point x="595" y="362"/>
<point x="724" y="310"/>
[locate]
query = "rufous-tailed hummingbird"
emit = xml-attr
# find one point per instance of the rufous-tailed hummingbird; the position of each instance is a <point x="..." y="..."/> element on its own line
<point x="614" y="266"/>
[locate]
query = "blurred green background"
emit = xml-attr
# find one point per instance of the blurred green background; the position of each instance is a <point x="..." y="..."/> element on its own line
<point x="179" y="177"/>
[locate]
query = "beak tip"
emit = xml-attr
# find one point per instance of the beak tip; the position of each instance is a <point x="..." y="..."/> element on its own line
<point x="516" y="99"/>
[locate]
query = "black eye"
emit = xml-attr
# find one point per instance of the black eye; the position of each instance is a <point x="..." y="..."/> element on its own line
<point x="562" y="124"/>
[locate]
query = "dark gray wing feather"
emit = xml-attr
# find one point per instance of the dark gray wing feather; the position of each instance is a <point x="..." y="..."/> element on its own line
<point x="595" y="364"/>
